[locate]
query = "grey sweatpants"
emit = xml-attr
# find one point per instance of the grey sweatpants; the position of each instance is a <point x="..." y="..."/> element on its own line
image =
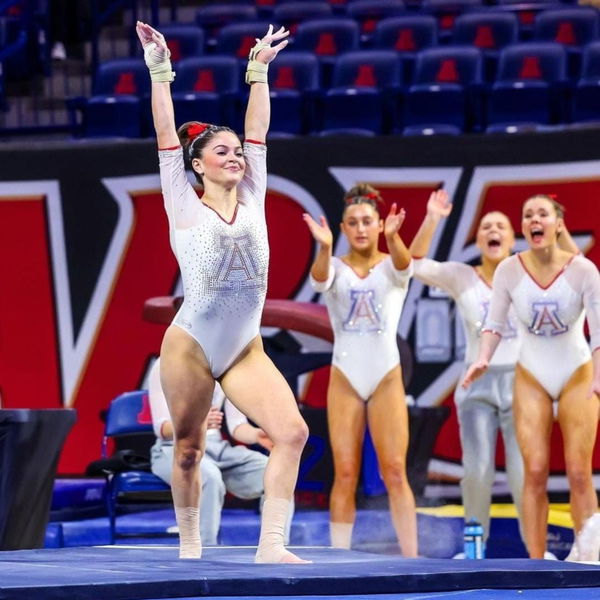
<point x="483" y="409"/>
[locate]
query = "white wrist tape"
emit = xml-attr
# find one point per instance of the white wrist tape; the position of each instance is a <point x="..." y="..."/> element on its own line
<point x="158" y="63"/>
<point x="256" y="71"/>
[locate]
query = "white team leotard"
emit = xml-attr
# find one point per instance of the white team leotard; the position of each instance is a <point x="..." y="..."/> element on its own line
<point x="472" y="296"/>
<point x="364" y="313"/>
<point x="554" y="345"/>
<point x="223" y="264"/>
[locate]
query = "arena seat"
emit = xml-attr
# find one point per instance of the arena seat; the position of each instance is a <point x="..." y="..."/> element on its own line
<point x="488" y="31"/>
<point x="406" y="35"/>
<point x="446" y="89"/>
<point x="120" y="88"/>
<point x="327" y="38"/>
<point x="237" y="39"/>
<point x="207" y="87"/>
<point x="291" y="14"/>
<point x="184" y="41"/>
<point x="531" y="84"/>
<point x="368" y="13"/>
<point x="213" y="17"/>
<point x="128" y="414"/>
<point x="446" y="12"/>
<point x="364" y="91"/>
<point x="294" y="89"/>
<point x="586" y="95"/>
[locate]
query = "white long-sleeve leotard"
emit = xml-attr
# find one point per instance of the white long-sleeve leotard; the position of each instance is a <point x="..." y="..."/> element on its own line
<point x="554" y="344"/>
<point x="364" y="313"/>
<point x="472" y="296"/>
<point x="223" y="264"/>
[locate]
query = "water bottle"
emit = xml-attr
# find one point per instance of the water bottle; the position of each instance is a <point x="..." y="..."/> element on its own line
<point x="473" y="539"/>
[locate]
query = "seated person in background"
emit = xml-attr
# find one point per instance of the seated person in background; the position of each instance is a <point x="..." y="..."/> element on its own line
<point x="223" y="468"/>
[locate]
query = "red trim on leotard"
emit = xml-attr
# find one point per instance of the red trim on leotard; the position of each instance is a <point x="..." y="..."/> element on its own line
<point x="358" y="274"/>
<point x="221" y="217"/>
<point x="562" y="270"/>
<point x="256" y="142"/>
<point x="170" y="148"/>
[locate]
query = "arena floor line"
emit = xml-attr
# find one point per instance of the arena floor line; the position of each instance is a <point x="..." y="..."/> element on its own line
<point x="155" y="572"/>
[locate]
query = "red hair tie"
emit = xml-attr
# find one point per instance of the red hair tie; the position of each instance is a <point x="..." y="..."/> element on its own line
<point x="195" y="129"/>
<point x="553" y="196"/>
<point x="372" y="196"/>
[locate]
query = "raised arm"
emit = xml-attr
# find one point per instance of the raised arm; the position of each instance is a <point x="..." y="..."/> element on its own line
<point x="323" y="236"/>
<point x="397" y="249"/>
<point x="156" y="55"/>
<point x="566" y="241"/>
<point x="438" y="207"/>
<point x="258" y="111"/>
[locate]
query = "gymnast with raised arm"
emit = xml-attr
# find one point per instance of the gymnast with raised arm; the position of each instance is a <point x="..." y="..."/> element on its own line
<point x="551" y="291"/>
<point x="221" y="245"/>
<point x="364" y="291"/>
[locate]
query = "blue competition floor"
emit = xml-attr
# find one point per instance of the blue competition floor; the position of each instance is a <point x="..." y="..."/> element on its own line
<point x="143" y="572"/>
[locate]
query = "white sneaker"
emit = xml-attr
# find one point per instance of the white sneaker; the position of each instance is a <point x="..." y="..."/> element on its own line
<point x="459" y="555"/>
<point x="549" y="556"/>
<point x="588" y="540"/>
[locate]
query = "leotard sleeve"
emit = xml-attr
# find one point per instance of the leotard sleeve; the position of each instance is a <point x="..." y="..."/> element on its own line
<point x="158" y="402"/>
<point x="500" y="303"/>
<point x="452" y="277"/>
<point x="591" y="299"/>
<point x="323" y="286"/>
<point x="179" y="195"/>
<point x="233" y="415"/>
<point x="253" y="186"/>
<point x="400" y="277"/>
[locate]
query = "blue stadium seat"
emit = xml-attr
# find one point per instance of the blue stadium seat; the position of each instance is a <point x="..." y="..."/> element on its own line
<point x="447" y="88"/>
<point x="206" y="89"/>
<point x="291" y="14"/>
<point x="294" y="80"/>
<point x="364" y="91"/>
<point x="128" y="414"/>
<point x="213" y="17"/>
<point x="406" y="35"/>
<point x="446" y="12"/>
<point x="120" y="88"/>
<point x="572" y="27"/>
<point x="586" y="96"/>
<point x="184" y="41"/>
<point x="327" y="38"/>
<point x="526" y="11"/>
<point x="368" y="13"/>
<point x="488" y="31"/>
<point x="238" y="38"/>
<point x="530" y="85"/>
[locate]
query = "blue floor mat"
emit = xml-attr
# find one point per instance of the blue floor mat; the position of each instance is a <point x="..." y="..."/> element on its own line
<point x="136" y="573"/>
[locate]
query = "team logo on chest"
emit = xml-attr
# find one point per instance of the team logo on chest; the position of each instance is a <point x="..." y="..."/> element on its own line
<point x="363" y="315"/>
<point x="237" y="268"/>
<point x="546" y="320"/>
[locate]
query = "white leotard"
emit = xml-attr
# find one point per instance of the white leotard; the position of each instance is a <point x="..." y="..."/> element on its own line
<point x="223" y="264"/>
<point x="364" y="313"/>
<point x="554" y="345"/>
<point x="472" y="296"/>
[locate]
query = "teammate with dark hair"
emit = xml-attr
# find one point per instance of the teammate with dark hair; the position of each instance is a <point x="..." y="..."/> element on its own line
<point x="364" y="292"/>
<point x="222" y="249"/>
